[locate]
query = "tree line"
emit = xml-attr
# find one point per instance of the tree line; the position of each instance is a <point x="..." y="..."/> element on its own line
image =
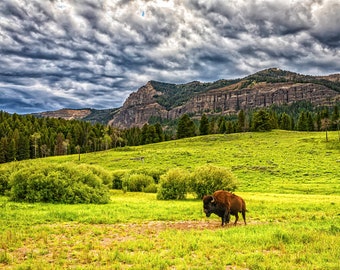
<point x="27" y="137"/>
<point x="323" y="119"/>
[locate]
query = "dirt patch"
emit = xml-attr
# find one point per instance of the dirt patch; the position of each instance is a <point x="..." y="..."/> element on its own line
<point x="180" y="225"/>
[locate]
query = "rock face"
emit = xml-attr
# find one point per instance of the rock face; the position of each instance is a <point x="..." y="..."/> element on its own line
<point x="138" y="108"/>
<point x="262" y="95"/>
<point x="68" y="114"/>
<point x="141" y="105"/>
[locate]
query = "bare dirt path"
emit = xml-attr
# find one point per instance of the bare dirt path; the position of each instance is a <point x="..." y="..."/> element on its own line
<point x="182" y="225"/>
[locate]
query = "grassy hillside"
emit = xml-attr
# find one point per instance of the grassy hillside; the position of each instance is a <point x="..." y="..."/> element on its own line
<point x="289" y="180"/>
<point x="277" y="161"/>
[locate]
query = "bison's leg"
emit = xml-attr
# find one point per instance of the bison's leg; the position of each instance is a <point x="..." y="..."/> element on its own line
<point x="244" y="217"/>
<point x="225" y="218"/>
<point x="236" y="216"/>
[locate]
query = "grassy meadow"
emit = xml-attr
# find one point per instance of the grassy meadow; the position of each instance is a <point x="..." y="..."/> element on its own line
<point x="289" y="180"/>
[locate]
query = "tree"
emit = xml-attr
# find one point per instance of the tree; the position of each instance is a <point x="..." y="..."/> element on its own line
<point x="229" y="127"/>
<point x="285" y="122"/>
<point x="335" y="118"/>
<point x="35" y="137"/>
<point x="204" y="125"/>
<point x="186" y="127"/>
<point x="144" y="134"/>
<point x="310" y="122"/>
<point x="261" y="121"/>
<point x="302" y="122"/>
<point x="3" y="149"/>
<point x="222" y="125"/>
<point x="107" y="141"/>
<point x="241" y="121"/>
<point x="59" y="144"/>
<point x="273" y="119"/>
<point x="23" y="147"/>
<point x="318" y="121"/>
<point x="213" y="126"/>
<point x="151" y="135"/>
<point x="159" y="132"/>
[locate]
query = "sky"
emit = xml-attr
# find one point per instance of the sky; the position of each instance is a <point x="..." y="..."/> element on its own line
<point x="75" y="54"/>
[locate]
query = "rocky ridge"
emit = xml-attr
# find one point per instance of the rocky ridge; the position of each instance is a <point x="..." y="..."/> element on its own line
<point x="169" y="101"/>
<point x="68" y="114"/>
<point x="285" y="88"/>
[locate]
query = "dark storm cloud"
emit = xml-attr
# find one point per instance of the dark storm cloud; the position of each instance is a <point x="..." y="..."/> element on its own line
<point x="72" y="53"/>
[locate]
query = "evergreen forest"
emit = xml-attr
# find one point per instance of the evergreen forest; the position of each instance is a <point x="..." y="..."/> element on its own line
<point x="28" y="137"/>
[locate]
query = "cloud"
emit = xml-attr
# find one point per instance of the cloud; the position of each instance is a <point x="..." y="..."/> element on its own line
<point x="90" y="53"/>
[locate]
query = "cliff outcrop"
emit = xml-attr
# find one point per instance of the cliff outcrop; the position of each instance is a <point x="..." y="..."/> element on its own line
<point x="140" y="106"/>
<point x="68" y="114"/>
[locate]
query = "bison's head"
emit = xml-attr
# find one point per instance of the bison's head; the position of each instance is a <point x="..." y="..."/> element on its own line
<point x="209" y="205"/>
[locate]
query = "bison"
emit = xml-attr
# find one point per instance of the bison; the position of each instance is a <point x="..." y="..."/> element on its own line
<point x="224" y="204"/>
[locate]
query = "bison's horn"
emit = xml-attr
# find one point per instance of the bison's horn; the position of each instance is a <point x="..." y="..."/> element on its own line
<point x="213" y="199"/>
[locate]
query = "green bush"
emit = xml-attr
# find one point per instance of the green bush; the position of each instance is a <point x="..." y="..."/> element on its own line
<point x="154" y="172"/>
<point x="209" y="178"/>
<point x="173" y="185"/>
<point x="117" y="179"/>
<point x="66" y="183"/>
<point x="4" y="182"/>
<point x="151" y="188"/>
<point x="103" y="174"/>
<point x="136" y="182"/>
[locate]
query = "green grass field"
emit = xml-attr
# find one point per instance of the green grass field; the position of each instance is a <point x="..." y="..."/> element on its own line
<point x="289" y="180"/>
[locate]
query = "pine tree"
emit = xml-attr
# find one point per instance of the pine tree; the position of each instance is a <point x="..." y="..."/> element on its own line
<point x="241" y="121"/>
<point x="144" y="134"/>
<point x="159" y="132"/>
<point x="204" y="125"/>
<point x="186" y="127"/>
<point x="310" y="122"/>
<point x="285" y="122"/>
<point x="261" y="121"/>
<point x="302" y="122"/>
<point x="335" y="118"/>
<point x="229" y="127"/>
<point x="3" y="149"/>
<point x="222" y="125"/>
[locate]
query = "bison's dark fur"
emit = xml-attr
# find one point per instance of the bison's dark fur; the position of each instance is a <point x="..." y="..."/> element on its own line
<point x="224" y="204"/>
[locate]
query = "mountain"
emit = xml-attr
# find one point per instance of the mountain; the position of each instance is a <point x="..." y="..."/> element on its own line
<point x="159" y="100"/>
<point x="262" y="89"/>
<point x="91" y="115"/>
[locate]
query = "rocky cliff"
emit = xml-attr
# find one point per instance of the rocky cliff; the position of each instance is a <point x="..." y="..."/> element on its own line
<point x="68" y="114"/>
<point x="91" y="115"/>
<point x="138" y="108"/>
<point x="256" y="91"/>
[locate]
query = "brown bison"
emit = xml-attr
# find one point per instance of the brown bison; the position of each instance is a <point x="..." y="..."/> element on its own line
<point x="224" y="204"/>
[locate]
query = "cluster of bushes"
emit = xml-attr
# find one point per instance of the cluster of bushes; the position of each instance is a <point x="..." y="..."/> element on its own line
<point x="67" y="183"/>
<point x="176" y="183"/>
<point x="80" y="183"/>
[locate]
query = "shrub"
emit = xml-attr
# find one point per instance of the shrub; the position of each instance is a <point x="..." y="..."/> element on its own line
<point x="154" y="172"/>
<point x="104" y="175"/>
<point x="209" y="178"/>
<point x="117" y="179"/>
<point x="4" y="181"/>
<point x="136" y="182"/>
<point x="173" y="185"/>
<point x="61" y="184"/>
<point x="151" y="188"/>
